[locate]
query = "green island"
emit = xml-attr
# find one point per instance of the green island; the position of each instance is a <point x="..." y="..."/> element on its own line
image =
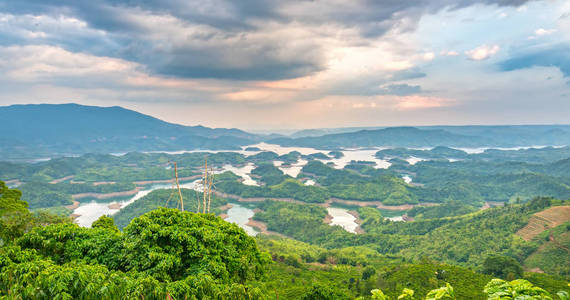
<point x="480" y="228"/>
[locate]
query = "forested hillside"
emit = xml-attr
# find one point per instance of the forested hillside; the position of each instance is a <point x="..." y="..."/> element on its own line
<point x="168" y="254"/>
<point x="437" y="221"/>
<point x="31" y="131"/>
<point x="431" y="136"/>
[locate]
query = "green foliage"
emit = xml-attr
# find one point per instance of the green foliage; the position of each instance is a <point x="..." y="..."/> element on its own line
<point x="388" y="189"/>
<point x="563" y="295"/>
<point x="10" y="200"/>
<point x="445" y="292"/>
<point x="377" y="294"/>
<point x="407" y="294"/>
<point x="368" y="272"/>
<point x="171" y="245"/>
<point x="163" y="198"/>
<point x="552" y="256"/>
<point x="516" y="289"/>
<point x="550" y="283"/>
<point x="29" y="276"/>
<point x="164" y="252"/>
<point x="323" y="292"/>
<point x="65" y="243"/>
<point x="469" y="240"/>
<point x="302" y="222"/>
<point x="471" y="182"/>
<point x="423" y="278"/>
<point x="105" y="222"/>
<point x="371" y="217"/>
<point x="15" y="219"/>
<point x="288" y="188"/>
<point x="502" y="267"/>
<point x="14" y="215"/>
<point x="270" y="174"/>
<point x="446" y="209"/>
<point x="41" y="195"/>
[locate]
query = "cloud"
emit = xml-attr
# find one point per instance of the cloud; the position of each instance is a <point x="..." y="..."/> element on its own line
<point x="45" y="63"/>
<point x="422" y="102"/>
<point x="399" y="89"/>
<point x="482" y="52"/>
<point x="557" y="56"/>
<point x="542" y="31"/>
<point x="240" y="40"/>
<point x="449" y="53"/>
<point x="429" y="56"/>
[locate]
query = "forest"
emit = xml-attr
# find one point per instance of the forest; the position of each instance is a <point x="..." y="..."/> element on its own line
<point x="164" y="252"/>
<point x="485" y="226"/>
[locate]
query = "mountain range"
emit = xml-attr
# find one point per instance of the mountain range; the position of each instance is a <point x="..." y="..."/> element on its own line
<point x="31" y="131"/>
<point x="48" y="130"/>
<point x="432" y="136"/>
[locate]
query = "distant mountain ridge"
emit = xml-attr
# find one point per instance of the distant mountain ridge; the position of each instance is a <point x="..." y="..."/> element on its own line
<point x="49" y="130"/>
<point x="63" y="129"/>
<point x="432" y="136"/>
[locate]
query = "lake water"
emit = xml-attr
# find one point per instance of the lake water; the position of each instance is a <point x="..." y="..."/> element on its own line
<point x="309" y="182"/>
<point x="243" y="172"/>
<point x="240" y="215"/>
<point x="482" y="149"/>
<point x="89" y="212"/>
<point x="367" y="154"/>
<point x="294" y="169"/>
<point x="412" y="160"/>
<point x="341" y="217"/>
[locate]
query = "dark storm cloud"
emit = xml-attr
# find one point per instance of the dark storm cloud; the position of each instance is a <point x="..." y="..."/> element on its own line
<point x="224" y="39"/>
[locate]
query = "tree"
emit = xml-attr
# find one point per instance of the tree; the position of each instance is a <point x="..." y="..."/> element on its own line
<point x="171" y="245"/>
<point x="503" y="267"/>
<point x="105" y="222"/>
<point x="368" y="272"/>
<point x="517" y="289"/>
<point x="445" y="292"/>
<point x="15" y="219"/>
<point x="324" y="292"/>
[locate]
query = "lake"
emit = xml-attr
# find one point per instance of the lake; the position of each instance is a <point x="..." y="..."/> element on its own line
<point x="240" y="215"/>
<point x="341" y="217"/>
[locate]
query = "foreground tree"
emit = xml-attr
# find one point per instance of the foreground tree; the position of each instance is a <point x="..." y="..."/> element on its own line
<point x="164" y="253"/>
<point x="498" y="289"/>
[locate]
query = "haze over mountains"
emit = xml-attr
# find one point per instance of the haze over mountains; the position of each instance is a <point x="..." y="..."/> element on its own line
<point x="431" y="136"/>
<point x="32" y="131"/>
<point x="46" y="129"/>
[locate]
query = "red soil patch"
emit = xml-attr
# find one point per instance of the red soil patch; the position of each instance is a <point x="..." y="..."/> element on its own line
<point x="544" y="220"/>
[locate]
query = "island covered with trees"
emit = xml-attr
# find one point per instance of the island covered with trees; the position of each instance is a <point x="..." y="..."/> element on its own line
<point x="475" y="226"/>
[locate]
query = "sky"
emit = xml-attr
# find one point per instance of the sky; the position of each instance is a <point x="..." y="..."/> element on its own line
<point x="293" y="64"/>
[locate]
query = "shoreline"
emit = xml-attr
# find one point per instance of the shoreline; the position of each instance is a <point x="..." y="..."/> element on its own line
<point x="358" y="221"/>
<point x="327" y="203"/>
<point x="106" y="195"/>
<point x="262" y="228"/>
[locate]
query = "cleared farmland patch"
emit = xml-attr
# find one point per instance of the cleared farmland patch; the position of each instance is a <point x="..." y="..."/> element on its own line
<point x="544" y="220"/>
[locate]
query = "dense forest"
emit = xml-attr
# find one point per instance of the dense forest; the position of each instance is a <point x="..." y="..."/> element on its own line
<point x="168" y="254"/>
<point x="488" y="225"/>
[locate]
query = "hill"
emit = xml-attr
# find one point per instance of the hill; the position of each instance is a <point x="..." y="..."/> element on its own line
<point x="393" y="136"/>
<point x="544" y="220"/>
<point x="450" y="136"/>
<point x="30" y="131"/>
